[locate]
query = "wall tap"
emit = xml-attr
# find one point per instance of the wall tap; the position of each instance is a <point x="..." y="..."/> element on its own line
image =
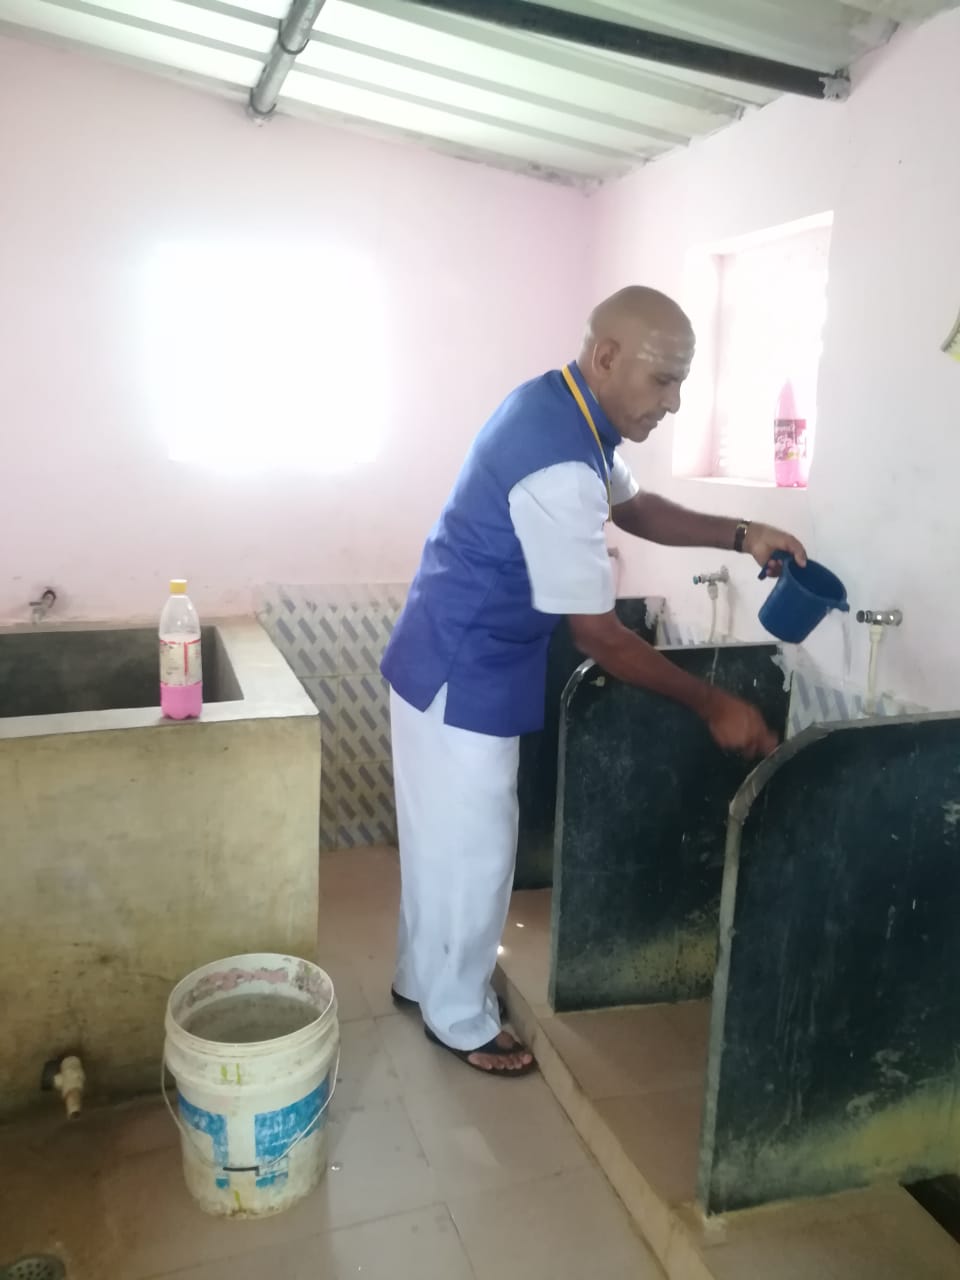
<point x="70" y="1082"/>
<point x="40" y="608"/>
<point x="711" y="579"/>
<point x="713" y="582"/>
<point x="880" y="618"/>
<point x="66" y="1075"/>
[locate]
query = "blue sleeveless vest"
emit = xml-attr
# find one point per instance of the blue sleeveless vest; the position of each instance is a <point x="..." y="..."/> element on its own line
<point x="469" y="621"/>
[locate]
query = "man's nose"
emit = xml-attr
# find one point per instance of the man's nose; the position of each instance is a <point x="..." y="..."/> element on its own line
<point x="671" y="400"/>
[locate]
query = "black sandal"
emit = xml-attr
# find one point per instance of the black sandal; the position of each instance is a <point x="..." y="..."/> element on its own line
<point x="493" y="1049"/>
<point x="404" y="1002"/>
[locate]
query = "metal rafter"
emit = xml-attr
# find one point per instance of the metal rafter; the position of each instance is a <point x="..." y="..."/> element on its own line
<point x="651" y="46"/>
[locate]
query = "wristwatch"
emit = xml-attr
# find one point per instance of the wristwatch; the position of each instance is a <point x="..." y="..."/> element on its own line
<point x="740" y="535"/>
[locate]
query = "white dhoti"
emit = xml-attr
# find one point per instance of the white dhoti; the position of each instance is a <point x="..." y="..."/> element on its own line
<point x="457" y="818"/>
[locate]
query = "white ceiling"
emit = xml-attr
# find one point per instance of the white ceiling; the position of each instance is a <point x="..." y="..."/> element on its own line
<point x="461" y="84"/>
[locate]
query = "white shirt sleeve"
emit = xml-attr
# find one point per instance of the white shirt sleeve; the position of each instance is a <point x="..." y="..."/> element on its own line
<point x="623" y="487"/>
<point x="558" y="515"/>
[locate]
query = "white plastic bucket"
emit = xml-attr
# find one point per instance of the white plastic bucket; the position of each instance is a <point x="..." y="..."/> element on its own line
<point x="252" y="1114"/>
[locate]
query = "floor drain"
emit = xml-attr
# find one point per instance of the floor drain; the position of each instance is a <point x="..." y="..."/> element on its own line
<point x="38" y="1268"/>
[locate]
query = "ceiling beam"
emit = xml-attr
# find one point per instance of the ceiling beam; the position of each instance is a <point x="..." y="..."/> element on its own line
<point x="587" y="64"/>
<point x="651" y="46"/>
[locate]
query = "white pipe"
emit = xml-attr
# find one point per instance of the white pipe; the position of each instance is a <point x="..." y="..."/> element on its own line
<point x="876" y="636"/>
<point x="70" y="1082"/>
<point x="713" y="591"/>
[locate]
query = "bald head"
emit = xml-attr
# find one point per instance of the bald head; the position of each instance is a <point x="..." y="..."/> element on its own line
<point x="636" y="353"/>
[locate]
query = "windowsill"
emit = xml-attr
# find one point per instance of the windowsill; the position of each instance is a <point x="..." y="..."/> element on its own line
<point x="732" y="482"/>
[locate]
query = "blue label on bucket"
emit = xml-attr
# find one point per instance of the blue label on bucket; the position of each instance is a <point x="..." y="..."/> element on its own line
<point x="275" y="1131"/>
<point x="214" y="1126"/>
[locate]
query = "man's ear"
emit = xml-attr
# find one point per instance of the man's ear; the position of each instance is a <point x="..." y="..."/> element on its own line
<point x="604" y="355"/>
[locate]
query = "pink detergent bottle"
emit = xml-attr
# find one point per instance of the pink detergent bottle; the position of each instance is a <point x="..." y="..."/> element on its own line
<point x="789" y="442"/>
<point x="181" y="672"/>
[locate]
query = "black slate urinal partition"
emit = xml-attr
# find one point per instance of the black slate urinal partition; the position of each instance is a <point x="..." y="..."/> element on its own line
<point x="835" y="1038"/>
<point x="537" y="778"/>
<point x="644" y="794"/>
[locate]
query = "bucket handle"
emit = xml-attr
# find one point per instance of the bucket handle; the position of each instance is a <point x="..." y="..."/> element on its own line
<point x="782" y="556"/>
<point x="841" y="606"/>
<point x="261" y="1170"/>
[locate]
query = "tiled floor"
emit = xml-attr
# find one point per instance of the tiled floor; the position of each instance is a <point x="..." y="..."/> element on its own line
<point x="642" y="1068"/>
<point x="441" y="1174"/>
<point x="438" y="1173"/>
<point x="632" y="1079"/>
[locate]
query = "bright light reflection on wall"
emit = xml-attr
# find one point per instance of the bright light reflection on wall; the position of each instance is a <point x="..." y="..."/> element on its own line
<point x="263" y="356"/>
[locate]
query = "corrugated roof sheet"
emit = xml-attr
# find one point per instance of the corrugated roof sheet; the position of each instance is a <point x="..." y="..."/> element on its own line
<point x="462" y="84"/>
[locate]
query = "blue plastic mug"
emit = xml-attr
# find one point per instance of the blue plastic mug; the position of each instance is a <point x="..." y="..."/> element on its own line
<point x="801" y="599"/>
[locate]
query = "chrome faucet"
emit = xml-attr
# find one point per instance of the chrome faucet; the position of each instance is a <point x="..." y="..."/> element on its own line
<point x="40" y="608"/>
<point x="881" y="618"/>
<point x="711" y="579"/>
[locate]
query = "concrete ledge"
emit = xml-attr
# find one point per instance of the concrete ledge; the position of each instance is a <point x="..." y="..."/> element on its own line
<point x="268" y="688"/>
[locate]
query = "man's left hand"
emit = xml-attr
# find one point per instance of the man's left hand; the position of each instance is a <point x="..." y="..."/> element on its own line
<point x="762" y="542"/>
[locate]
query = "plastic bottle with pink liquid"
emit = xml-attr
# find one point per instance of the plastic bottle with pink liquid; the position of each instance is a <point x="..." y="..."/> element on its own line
<point x="181" y="669"/>
<point x="789" y="442"/>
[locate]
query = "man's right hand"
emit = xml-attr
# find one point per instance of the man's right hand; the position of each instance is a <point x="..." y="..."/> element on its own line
<point x="737" y="726"/>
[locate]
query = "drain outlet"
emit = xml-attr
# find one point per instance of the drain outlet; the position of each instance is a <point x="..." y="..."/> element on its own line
<point x="37" y="1268"/>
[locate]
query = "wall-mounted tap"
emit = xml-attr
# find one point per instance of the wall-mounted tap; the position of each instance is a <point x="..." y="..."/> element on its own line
<point x="713" y="582"/>
<point x="40" y="608"/>
<point x="881" y="617"/>
<point x="67" y="1077"/>
<point x="878" y="621"/>
<point x="711" y="579"/>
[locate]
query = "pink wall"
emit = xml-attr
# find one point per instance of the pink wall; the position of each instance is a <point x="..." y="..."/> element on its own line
<point x="884" y="480"/>
<point x="99" y="165"/>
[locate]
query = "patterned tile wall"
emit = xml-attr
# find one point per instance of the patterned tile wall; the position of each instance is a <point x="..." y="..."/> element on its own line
<point x="814" y="700"/>
<point x="671" y="632"/>
<point x="333" y="638"/>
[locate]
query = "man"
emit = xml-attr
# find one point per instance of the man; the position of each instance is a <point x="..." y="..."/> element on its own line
<point x="519" y="544"/>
